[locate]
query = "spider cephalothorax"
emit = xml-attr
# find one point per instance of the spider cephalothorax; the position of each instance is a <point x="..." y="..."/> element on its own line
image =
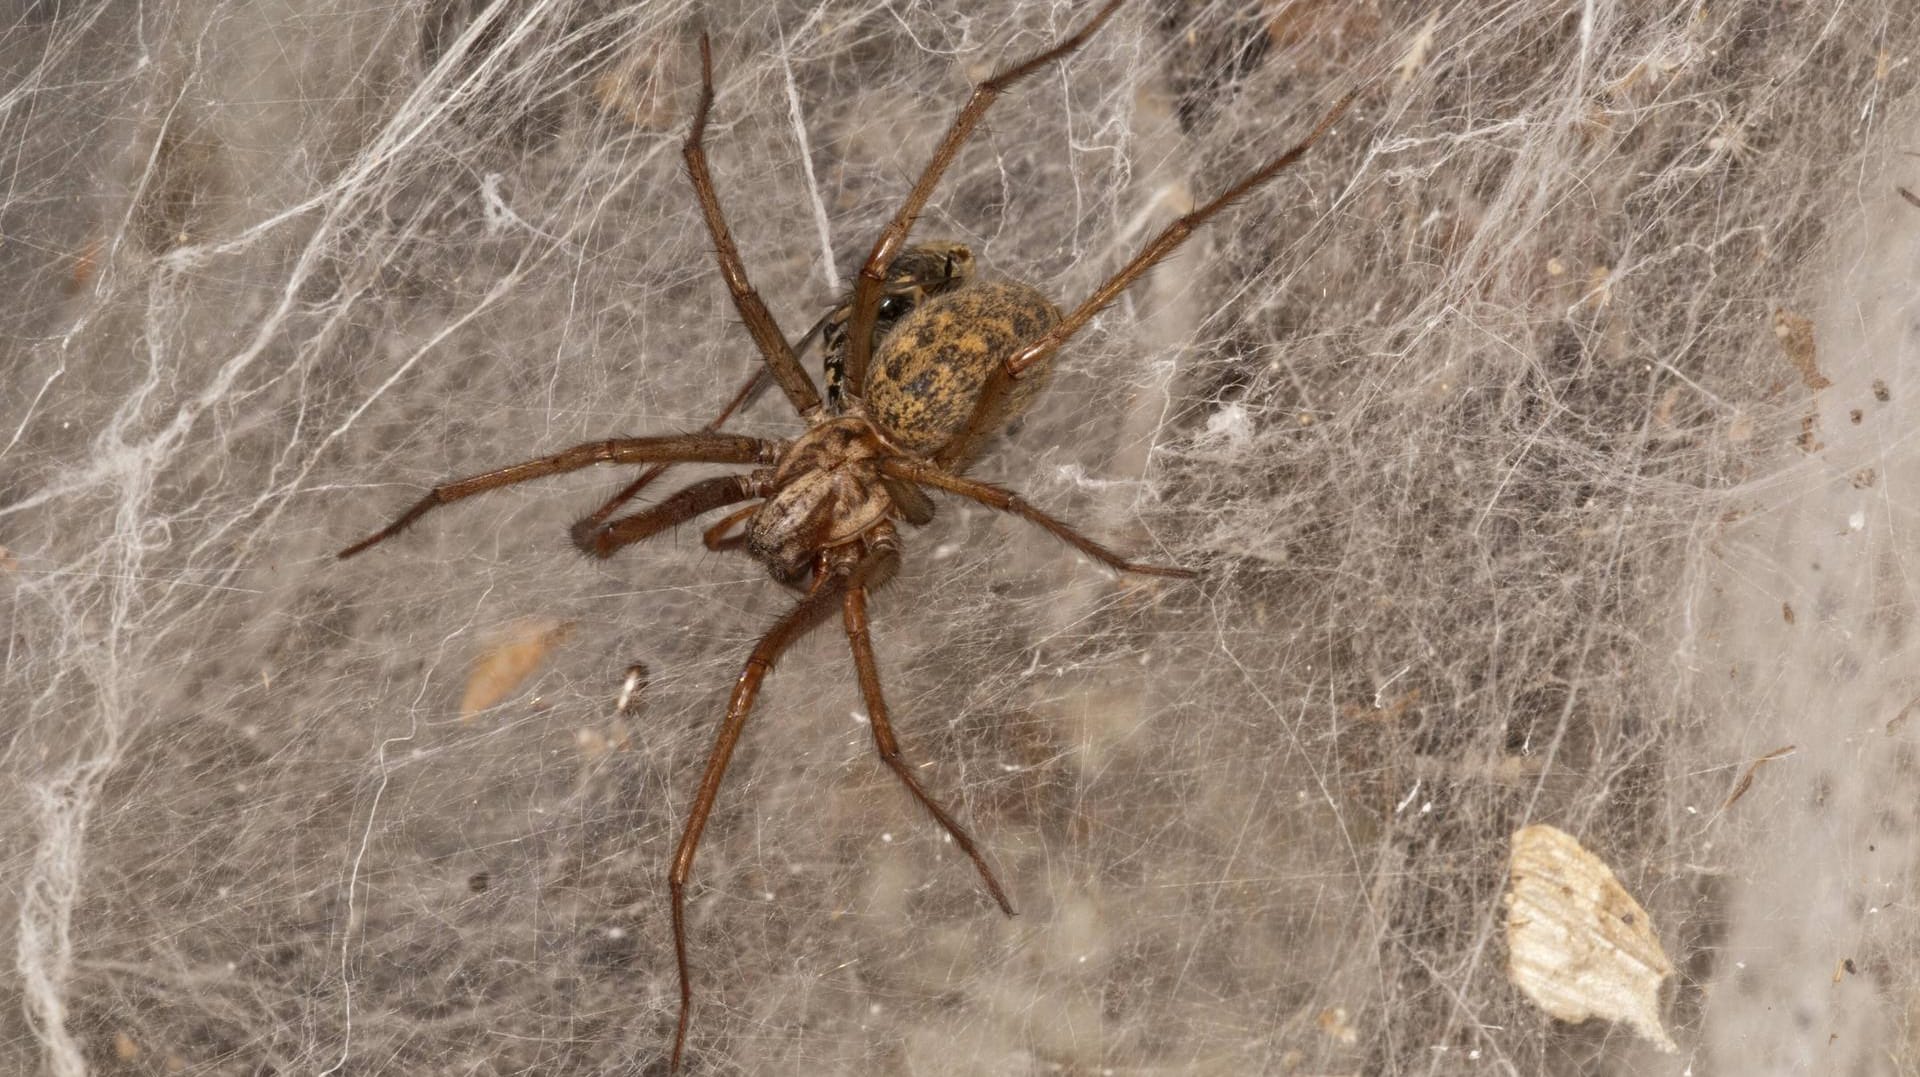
<point x="825" y="492"/>
<point x="829" y="487"/>
<point x="923" y="364"/>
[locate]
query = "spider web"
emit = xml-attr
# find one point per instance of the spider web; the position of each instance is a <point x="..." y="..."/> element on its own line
<point x="1544" y="437"/>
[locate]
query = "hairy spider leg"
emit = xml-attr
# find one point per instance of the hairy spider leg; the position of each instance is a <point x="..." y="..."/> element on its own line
<point x="602" y="540"/>
<point x="828" y="586"/>
<point x="873" y="274"/>
<point x="673" y="448"/>
<point x="995" y="497"/>
<point x="782" y="363"/>
<point x="753" y="388"/>
<point x="1000" y="383"/>
<point x="858" y="637"/>
<point x="756" y="384"/>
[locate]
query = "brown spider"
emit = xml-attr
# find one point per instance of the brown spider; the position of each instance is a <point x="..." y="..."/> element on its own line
<point x="923" y="363"/>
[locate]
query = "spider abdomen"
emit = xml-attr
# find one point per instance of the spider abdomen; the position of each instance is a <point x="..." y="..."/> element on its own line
<point x="930" y="369"/>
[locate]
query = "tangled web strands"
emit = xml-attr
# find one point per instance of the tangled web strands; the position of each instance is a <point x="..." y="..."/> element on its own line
<point x="1542" y="437"/>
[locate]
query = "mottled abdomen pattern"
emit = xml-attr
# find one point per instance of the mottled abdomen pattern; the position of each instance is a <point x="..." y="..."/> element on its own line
<point x="929" y="371"/>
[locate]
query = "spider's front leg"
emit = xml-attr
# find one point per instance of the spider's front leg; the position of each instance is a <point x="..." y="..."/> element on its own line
<point x="746" y="395"/>
<point x="672" y="448"/>
<point x="599" y="539"/>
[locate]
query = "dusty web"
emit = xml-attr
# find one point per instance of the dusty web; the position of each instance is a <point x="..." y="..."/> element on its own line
<point x="1539" y="436"/>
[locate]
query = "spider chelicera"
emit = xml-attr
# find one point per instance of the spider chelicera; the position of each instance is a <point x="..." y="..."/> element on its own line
<point x="923" y="363"/>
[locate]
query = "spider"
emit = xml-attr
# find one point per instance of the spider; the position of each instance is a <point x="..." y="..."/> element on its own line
<point x="923" y="362"/>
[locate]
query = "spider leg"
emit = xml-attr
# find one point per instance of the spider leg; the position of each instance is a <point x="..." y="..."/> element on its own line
<point x="754" y="386"/>
<point x="995" y="497"/>
<point x="855" y="609"/>
<point x="748" y="393"/>
<point x="805" y="615"/>
<point x="602" y="539"/>
<point x="689" y="448"/>
<point x="781" y="361"/>
<point x="994" y="392"/>
<point x="873" y="275"/>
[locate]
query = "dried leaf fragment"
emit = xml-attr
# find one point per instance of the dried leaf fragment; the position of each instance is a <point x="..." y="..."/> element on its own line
<point x="1336" y="30"/>
<point x="1663" y="414"/>
<point x="509" y="660"/>
<point x="1740" y="429"/>
<point x="1578" y="945"/>
<point x="86" y="261"/>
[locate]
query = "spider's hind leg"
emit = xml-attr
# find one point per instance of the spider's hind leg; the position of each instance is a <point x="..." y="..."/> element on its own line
<point x="872" y="280"/>
<point x="999" y="385"/>
<point x="782" y="362"/>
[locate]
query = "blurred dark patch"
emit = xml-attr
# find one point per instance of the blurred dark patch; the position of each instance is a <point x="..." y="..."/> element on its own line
<point x="527" y="66"/>
<point x="1207" y="59"/>
<point x="523" y="116"/>
<point x="183" y="182"/>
